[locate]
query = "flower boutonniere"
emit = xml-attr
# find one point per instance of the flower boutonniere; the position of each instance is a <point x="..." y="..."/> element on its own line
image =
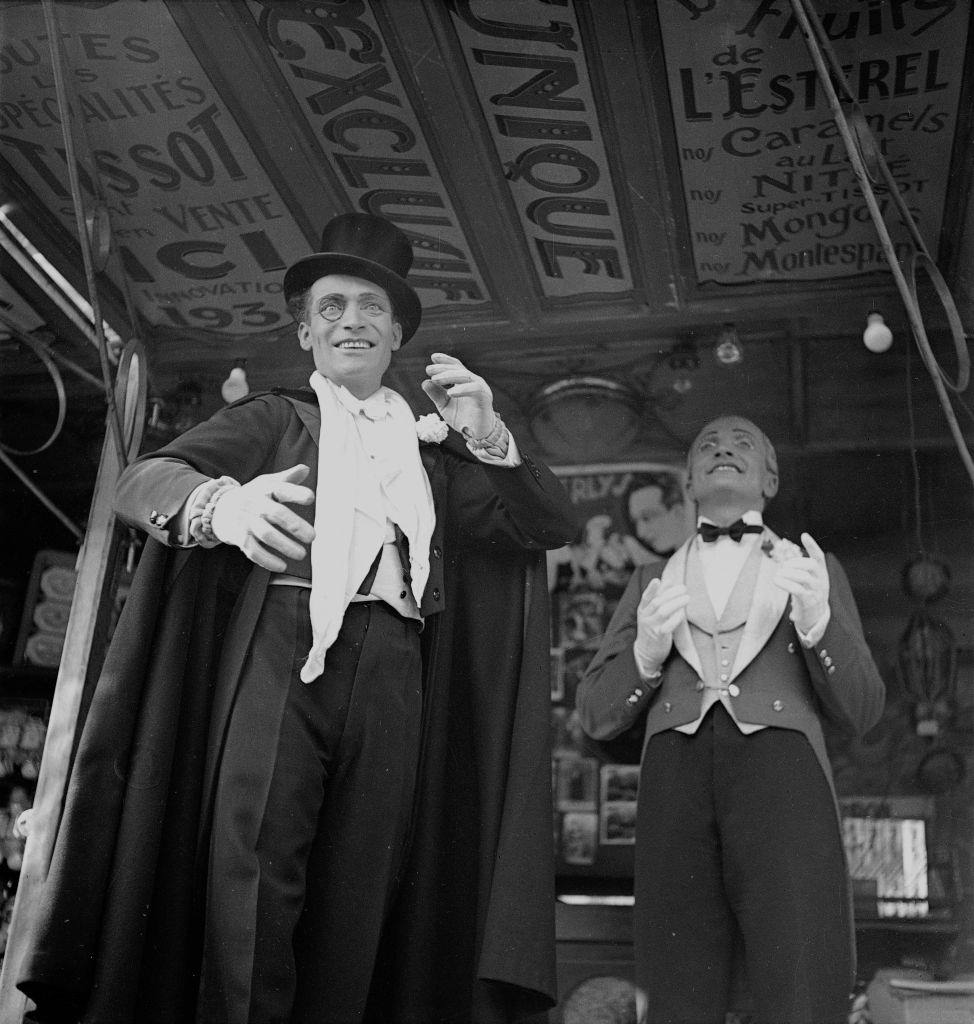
<point x="782" y="550"/>
<point x="431" y="429"/>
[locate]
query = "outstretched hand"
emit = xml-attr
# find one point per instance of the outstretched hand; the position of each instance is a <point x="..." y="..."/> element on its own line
<point x="462" y="398"/>
<point x="807" y="580"/>
<point x="255" y="518"/>
<point x="661" y="609"/>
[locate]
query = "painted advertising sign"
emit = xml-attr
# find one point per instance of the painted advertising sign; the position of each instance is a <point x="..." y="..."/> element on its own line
<point x="632" y="514"/>
<point x="769" y="191"/>
<point x="203" y="234"/>
<point x="346" y="84"/>
<point x="528" y="63"/>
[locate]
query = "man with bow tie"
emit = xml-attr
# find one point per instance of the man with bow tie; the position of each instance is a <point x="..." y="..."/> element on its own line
<point x="735" y="651"/>
<point x="316" y="750"/>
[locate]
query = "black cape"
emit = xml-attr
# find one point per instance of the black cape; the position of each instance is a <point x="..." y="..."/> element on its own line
<point x="115" y="935"/>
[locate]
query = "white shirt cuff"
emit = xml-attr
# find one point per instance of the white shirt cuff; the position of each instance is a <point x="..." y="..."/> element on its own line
<point x="649" y="673"/>
<point x="180" y="534"/>
<point x="511" y="459"/>
<point x="812" y="637"/>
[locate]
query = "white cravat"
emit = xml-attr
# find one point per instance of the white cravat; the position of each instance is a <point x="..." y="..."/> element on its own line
<point x="377" y="432"/>
<point x="354" y="501"/>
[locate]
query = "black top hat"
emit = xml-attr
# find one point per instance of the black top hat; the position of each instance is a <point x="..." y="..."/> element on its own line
<point x="366" y="246"/>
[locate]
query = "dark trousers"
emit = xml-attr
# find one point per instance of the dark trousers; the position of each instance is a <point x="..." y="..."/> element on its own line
<point x="302" y="870"/>
<point x="737" y="840"/>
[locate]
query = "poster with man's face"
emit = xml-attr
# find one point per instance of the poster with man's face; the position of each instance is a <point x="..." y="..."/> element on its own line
<point x="631" y="514"/>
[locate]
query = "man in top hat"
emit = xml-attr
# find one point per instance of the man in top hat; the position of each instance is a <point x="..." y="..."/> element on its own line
<point x="328" y="610"/>
<point x="734" y="652"/>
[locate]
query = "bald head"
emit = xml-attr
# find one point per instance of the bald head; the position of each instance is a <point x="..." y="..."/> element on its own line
<point x="731" y="468"/>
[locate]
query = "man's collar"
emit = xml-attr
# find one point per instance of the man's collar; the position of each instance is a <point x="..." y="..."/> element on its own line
<point x="752" y="517"/>
<point x="375" y="407"/>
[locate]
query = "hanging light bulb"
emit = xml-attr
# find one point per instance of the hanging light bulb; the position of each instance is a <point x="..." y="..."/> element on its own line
<point x="877" y="337"/>
<point x="235" y="386"/>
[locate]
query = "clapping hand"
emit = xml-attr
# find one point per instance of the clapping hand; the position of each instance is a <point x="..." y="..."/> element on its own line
<point x="462" y="398"/>
<point x="661" y="609"/>
<point x="807" y="580"/>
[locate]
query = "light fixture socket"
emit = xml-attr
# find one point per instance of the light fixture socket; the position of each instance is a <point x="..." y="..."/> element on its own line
<point x="683" y="356"/>
<point x="728" y="350"/>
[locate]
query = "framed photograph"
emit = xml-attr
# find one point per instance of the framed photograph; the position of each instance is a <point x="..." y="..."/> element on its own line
<point x="567" y="735"/>
<point x="581" y="618"/>
<point x="575" y="660"/>
<point x="579" y="837"/>
<point x="577" y="788"/>
<point x="617" y="824"/>
<point x="618" y="789"/>
<point x="619" y="783"/>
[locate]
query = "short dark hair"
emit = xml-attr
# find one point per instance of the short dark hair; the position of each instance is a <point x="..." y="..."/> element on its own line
<point x="297" y="304"/>
<point x="669" y="484"/>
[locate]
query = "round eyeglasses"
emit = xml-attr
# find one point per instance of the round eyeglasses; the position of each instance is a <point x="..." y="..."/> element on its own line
<point x="333" y="309"/>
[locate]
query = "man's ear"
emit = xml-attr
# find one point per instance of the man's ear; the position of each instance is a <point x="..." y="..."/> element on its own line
<point x="396" y="335"/>
<point x="770" y="488"/>
<point x="304" y="336"/>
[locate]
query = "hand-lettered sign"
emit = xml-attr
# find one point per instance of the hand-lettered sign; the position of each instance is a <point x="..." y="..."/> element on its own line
<point x="202" y="234"/>
<point x="529" y="65"/>
<point x="347" y="86"/>
<point x="769" y="190"/>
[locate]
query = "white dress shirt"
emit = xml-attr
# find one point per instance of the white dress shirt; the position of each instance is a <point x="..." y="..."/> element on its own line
<point x="375" y="428"/>
<point x="722" y="560"/>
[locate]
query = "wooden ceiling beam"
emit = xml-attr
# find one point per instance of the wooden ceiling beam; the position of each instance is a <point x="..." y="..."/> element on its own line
<point x="444" y="100"/>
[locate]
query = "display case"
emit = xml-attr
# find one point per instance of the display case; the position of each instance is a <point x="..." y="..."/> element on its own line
<point x="25" y="705"/>
<point x="26" y="692"/>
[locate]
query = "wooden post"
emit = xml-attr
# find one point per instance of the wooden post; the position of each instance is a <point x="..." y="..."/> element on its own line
<point x="82" y="657"/>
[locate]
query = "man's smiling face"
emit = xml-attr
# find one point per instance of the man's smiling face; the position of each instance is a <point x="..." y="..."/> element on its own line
<point x="731" y="466"/>
<point x="349" y="329"/>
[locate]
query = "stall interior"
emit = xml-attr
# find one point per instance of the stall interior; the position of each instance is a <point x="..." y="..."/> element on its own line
<point x="629" y="217"/>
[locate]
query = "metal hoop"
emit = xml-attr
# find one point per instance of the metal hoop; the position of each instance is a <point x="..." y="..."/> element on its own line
<point x="862" y="152"/>
<point x="62" y="399"/>
<point x="924" y="260"/>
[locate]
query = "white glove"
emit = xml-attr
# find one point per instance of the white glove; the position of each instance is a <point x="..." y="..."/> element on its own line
<point x="461" y="397"/>
<point x="661" y="609"/>
<point x="252" y="517"/>
<point x="807" y="580"/>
